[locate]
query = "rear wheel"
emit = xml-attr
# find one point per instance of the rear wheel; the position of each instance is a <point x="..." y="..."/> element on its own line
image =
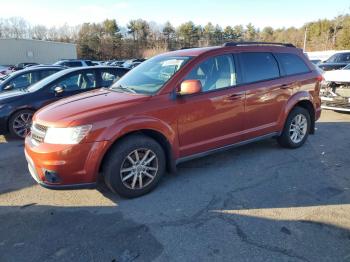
<point x="20" y="123"/>
<point x="134" y="166"/>
<point x="296" y="128"/>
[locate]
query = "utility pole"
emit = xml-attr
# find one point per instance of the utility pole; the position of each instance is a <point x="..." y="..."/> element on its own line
<point x="305" y="37"/>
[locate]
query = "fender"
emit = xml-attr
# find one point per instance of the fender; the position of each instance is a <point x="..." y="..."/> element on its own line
<point x="130" y="124"/>
<point x="292" y="101"/>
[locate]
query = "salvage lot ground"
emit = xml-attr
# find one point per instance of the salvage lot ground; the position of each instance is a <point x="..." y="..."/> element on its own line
<point x="254" y="203"/>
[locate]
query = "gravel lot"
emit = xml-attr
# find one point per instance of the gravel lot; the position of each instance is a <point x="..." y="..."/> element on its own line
<point x="254" y="203"/>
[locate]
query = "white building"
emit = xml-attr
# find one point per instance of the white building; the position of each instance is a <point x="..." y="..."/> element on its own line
<point x="14" y="51"/>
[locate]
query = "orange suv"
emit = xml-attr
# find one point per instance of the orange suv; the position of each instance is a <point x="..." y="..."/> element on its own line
<point x="174" y="107"/>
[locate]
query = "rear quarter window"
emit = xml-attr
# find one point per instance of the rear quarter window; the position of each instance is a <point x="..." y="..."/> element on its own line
<point x="258" y="66"/>
<point x="292" y="64"/>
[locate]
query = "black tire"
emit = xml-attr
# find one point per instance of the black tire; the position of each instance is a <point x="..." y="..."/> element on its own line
<point x="13" y="120"/>
<point x="117" y="157"/>
<point x="285" y="138"/>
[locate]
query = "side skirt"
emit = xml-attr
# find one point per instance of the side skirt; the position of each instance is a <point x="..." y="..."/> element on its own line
<point x="224" y="148"/>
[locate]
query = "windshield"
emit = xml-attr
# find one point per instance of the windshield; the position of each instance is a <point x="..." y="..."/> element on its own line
<point x="151" y="75"/>
<point x="333" y="59"/>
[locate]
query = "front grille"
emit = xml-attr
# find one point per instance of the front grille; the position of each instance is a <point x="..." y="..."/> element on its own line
<point x="41" y="128"/>
<point x="38" y="133"/>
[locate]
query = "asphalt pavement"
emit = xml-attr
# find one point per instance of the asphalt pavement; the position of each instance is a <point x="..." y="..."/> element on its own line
<point x="258" y="202"/>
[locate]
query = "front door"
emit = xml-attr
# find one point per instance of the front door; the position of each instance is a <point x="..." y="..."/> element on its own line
<point x="213" y="118"/>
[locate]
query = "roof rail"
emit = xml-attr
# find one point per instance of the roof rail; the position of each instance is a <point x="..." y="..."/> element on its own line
<point x="257" y="43"/>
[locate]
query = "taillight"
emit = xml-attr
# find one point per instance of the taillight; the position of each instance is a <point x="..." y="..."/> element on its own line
<point x="320" y="78"/>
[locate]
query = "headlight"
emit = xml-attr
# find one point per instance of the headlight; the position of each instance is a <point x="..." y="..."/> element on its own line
<point x="66" y="135"/>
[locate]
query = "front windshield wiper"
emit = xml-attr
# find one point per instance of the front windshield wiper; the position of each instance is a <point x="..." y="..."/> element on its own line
<point x="125" y="88"/>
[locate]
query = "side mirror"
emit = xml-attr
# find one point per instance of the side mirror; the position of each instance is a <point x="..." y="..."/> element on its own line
<point x="189" y="87"/>
<point x="59" y="90"/>
<point x="9" y="87"/>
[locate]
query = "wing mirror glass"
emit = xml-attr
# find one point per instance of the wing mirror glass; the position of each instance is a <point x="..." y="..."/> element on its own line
<point x="9" y="87"/>
<point x="59" y="90"/>
<point x="189" y="87"/>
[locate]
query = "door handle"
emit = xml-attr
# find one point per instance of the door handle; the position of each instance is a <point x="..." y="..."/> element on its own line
<point x="285" y="86"/>
<point x="235" y="96"/>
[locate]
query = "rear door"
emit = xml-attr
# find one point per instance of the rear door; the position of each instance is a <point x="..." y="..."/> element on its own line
<point x="266" y="95"/>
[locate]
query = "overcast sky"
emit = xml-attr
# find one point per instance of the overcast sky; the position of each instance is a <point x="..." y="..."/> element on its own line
<point x="275" y="13"/>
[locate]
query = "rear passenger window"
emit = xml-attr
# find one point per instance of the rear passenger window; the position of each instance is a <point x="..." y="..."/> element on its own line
<point x="258" y="67"/>
<point x="292" y="64"/>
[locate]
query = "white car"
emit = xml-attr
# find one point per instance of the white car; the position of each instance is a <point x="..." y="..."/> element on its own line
<point x="335" y="90"/>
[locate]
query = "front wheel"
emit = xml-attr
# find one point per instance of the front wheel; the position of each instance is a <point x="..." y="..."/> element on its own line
<point x="296" y="128"/>
<point x="20" y="123"/>
<point x="134" y="166"/>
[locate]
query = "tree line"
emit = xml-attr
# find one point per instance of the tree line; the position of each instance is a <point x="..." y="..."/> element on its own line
<point x="140" y="38"/>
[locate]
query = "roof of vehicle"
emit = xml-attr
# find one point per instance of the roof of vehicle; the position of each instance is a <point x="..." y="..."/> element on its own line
<point x="235" y="45"/>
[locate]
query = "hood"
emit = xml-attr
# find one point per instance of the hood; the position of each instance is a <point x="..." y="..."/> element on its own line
<point x="337" y="76"/>
<point x="87" y="107"/>
<point x="6" y="96"/>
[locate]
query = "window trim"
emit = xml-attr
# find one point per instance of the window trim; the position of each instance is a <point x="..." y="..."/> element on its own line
<point x="284" y="70"/>
<point x="259" y="81"/>
<point x="238" y="78"/>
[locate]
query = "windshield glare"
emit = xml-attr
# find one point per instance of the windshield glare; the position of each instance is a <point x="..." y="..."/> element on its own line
<point x="347" y="67"/>
<point x="150" y="76"/>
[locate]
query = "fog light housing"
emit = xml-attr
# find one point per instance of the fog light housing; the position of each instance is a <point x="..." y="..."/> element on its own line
<point x="51" y="176"/>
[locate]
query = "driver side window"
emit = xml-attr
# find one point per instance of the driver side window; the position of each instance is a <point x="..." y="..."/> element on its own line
<point x="215" y="73"/>
<point x="77" y="81"/>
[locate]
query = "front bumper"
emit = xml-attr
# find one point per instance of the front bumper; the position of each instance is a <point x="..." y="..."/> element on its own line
<point x="75" y="166"/>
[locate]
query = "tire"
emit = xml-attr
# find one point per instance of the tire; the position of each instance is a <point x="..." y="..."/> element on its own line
<point x="287" y="139"/>
<point x="123" y="177"/>
<point x="24" y="118"/>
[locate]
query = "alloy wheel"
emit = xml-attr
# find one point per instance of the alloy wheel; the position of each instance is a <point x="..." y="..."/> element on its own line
<point x="22" y="124"/>
<point x="298" y="128"/>
<point x="139" y="168"/>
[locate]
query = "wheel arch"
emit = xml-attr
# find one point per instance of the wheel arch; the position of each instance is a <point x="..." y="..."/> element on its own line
<point x="14" y="112"/>
<point x="304" y="100"/>
<point x="152" y="133"/>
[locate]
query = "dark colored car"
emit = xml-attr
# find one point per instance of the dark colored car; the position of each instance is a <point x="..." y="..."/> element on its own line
<point x="74" y="63"/>
<point x="171" y="108"/>
<point x="21" y="66"/>
<point x="17" y="107"/>
<point x="336" y="61"/>
<point x="26" y="77"/>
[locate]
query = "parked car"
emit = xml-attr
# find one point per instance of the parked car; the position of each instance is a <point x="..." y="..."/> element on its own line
<point x="5" y="70"/>
<point x="337" y="61"/>
<point x="133" y="65"/>
<point x="21" y="66"/>
<point x="118" y="63"/>
<point x="130" y="62"/>
<point x="26" y="77"/>
<point x="335" y="90"/>
<point x="74" y="63"/>
<point x="315" y="61"/>
<point x="172" y="108"/>
<point x="17" y="107"/>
